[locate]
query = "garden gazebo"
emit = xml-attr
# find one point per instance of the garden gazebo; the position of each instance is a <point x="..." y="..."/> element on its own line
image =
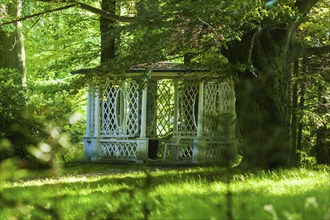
<point x="166" y="118"/>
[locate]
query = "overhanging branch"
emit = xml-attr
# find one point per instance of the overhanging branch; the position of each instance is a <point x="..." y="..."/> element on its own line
<point x="309" y="51"/>
<point x="37" y="14"/>
<point x="84" y="6"/>
<point x="105" y="14"/>
<point x="305" y="5"/>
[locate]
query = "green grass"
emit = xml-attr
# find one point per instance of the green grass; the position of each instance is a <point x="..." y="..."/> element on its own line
<point x="102" y="191"/>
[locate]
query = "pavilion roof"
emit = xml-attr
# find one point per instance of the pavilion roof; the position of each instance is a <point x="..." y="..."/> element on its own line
<point x="160" y="67"/>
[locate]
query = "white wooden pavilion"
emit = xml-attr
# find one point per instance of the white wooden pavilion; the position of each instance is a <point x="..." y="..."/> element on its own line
<point x="164" y="119"/>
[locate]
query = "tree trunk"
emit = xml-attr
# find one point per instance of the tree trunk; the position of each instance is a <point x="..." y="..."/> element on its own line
<point x="107" y="34"/>
<point x="294" y="116"/>
<point x="12" y="53"/>
<point x="301" y="108"/>
<point x="322" y="144"/>
<point x="263" y="99"/>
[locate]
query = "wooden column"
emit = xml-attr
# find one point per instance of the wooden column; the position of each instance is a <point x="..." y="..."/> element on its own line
<point x="88" y="112"/>
<point x="96" y="142"/>
<point x="176" y="108"/>
<point x="143" y="131"/>
<point x="200" y="126"/>
<point x="143" y="140"/>
<point x="199" y="143"/>
<point x="87" y="138"/>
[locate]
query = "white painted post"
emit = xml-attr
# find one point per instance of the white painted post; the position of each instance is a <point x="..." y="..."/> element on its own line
<point x="199" y="143"/>
<point x="88" y="112"/>
<point x="87" y="141"/>
<point x="176" y="108"/>
<point x="143" y="140"/>
<point x="144" y="114"/>
<point x="200" y="126"/>
<point x="96" y="147"/>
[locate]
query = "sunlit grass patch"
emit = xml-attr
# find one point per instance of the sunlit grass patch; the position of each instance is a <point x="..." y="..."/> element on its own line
<point x="192" y="193"/>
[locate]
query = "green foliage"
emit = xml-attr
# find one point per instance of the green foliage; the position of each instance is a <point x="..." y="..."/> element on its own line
<point x="57" y="44"/>
<point x="315" y="31"/>
<point x="16" y="127"/>
<point x="60" y="42"/>
<point x="313" y="115"/>
<point x="12" y="98"/>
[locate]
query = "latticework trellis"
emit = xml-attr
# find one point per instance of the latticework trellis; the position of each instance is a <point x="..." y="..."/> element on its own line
<point x="188" y="108"/>
<point x="214" y="151"/>
<point x="221" y="151"/>
<point x="218" y="112"/>
<point x="120" y="110"/>
<point x="118" y="149"/>
<point x="180" y="150"/>
<point x="217" y="98"/>
<point x="160" y="119"/>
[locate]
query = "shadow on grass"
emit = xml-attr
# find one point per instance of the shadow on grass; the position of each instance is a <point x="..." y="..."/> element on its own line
<point x="117" y="192"/>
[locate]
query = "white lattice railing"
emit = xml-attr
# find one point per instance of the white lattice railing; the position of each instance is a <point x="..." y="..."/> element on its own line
<point x="120" y="149"/>
<point x="221" y="151"/>
<point x="217" y="98"/>
<point x="176" y="149"/>
<point x="219" y="112"/>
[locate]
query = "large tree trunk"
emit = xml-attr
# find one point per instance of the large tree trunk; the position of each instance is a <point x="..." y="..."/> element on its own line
<point x="301" y="108"/>
<point x="322" y="143"/>
<point x="263" y="99"/>
<point x="12" y="53"/>
<point x="294" y="114"/>
<point x="107" y="33"/>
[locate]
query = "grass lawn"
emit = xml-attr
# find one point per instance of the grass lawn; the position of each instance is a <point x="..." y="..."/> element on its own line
<point x="104" y="191"/>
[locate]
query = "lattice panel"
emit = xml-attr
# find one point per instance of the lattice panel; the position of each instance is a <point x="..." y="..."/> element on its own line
<point x="188" y="108"/>
<point x="120" y="110"/>
<point x="217" y="102"/>
<point x="122" y="150"/>
<point x="182" y="150"/>
<point x="165" y="107"/>
<point x="220" y="152"/>
<point x="185" y="151"/>
<point x="133" y="113"/>
<point x="213" y="151"/>
<point x="162" y="153"/>
<point x="108" y="112"/>
<point x="217" y="98"/>
<point x="161" y="117"/>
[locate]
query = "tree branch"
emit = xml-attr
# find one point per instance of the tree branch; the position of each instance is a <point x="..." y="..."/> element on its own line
<point x="309" y="51"/>
<point x="94" y="10"/>
<point x="84" y="6"/>
<point x="305" y="5"/>
<point x="105" y="14"/>
<point x="37" y="14"/>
